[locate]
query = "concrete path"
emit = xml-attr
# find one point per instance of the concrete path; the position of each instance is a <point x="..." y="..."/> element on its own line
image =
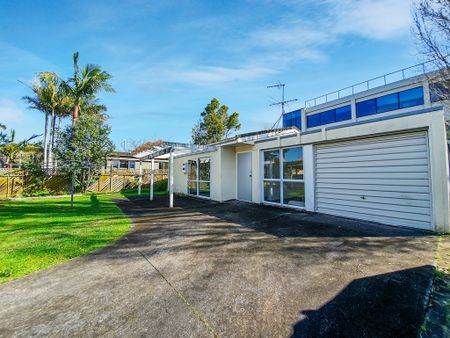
<point x="232" y="270"/>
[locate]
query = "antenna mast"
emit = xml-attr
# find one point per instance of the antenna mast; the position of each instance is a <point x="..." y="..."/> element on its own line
<point x="282" y="102"/>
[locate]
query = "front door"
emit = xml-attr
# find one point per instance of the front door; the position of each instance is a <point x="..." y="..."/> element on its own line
<point x="244" y="181"/>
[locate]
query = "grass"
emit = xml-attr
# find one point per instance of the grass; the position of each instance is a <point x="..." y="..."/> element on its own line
<point x="36" y="234"/>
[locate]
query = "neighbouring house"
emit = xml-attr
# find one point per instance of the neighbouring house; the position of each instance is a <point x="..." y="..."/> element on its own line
<point x="125" y="161"/>
<point x="377" y="154"/>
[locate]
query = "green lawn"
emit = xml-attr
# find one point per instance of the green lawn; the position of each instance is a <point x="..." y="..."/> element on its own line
<point x="35" y="234"/>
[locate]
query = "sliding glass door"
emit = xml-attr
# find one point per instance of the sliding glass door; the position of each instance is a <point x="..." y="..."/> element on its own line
<point x="199" y="177"/>
<point x="283" y="181"/>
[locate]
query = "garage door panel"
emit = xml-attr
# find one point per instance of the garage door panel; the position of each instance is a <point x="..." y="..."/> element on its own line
<point x="385" y="213"/>
<point x="393" y="182"/>
<point x="378" y="218"/>
<point x="380" y="157"/>
<point x="410" y="206"/>
<point x="375" y="169"/>
<point x="373" y="144"/>
<point x="369" y="164"/>
<point x="377" y="175"/>
<point x="388" y="194"/>
<point x="384" y="179"/>
<point x="377" y="187"/>
<point x="377" y="151"/>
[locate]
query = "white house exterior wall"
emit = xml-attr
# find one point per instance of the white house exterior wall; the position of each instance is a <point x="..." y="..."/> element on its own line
<point x="223" y="177"/>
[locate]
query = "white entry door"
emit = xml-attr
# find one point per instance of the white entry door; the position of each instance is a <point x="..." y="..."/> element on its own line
<point x="244" y="176"/>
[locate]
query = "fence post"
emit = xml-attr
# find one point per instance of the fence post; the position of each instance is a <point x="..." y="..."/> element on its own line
<point x="110" y="178"/>
<point x="7" y="184"/>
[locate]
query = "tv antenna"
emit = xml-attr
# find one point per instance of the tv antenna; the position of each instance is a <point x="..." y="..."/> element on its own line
<point x="282" y="102"/>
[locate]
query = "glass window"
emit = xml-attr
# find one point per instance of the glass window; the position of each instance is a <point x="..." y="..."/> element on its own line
<point x="292" y="119"/>
<point x="286" y="121"/>
<point x="343" y="113"/>
<point x="272" y="191"/>
<point x="365" y="108"/>
<point x="131" y="164"/>
<point x="115" y="164"/>
<point x="328" y="117"/>
<point x="313" y="120"/>
<point x="192" y="170"/>
<point x="294" y="193"/>
<point x="293" y="163"/>
<point x="204" y="169"/>
<point x="289" y="188"/>
<point x="199" y="183"/>
<point x="192" y="187"/>
<point x="123" y="164"/>
<point x="162" y="165"/>
<point x="272" y="164"/>
<point x="204" y="189"/>
<point x="411" y="97"/>
<point x="387" y="103"/>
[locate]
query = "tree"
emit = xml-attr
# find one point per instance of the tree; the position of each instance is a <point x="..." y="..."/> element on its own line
<point x="432" y="27"/>
<point x="215" y="124"/>
<point x="51" y="99"/>
<point x="85" y="84"/>
<point x="11" y="149"/>
<point x="84" y="147"/>
<point x="3" y="135"/>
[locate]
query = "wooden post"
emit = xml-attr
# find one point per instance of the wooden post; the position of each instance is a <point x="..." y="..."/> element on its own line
<point x="7" y="184"/>
<point x="171" y="180"/>
<point x="110" y="178"/>
<point x="152" y="170"/>
<point x="140" y="178"/>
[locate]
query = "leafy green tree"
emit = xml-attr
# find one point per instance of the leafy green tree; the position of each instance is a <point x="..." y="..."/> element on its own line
<point x="12" y="149"/>
<point x="85" y="84"/>
<point x="3" y="135"/>
<point x="84" y="147"/>
<point x="215" y="124"/>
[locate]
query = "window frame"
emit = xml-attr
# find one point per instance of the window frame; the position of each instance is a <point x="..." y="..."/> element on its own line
<point x="281" y="179"/>
<point x="197" y="180"/>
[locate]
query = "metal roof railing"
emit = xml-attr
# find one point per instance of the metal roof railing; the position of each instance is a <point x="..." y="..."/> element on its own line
<point x="383" y="80"/>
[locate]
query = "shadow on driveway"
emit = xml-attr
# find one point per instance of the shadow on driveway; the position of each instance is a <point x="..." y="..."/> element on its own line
<point x="234" y="270"/>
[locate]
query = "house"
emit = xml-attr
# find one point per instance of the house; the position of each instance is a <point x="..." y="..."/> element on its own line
<point x="376" y="153"/>
<point x="125" y="161"/>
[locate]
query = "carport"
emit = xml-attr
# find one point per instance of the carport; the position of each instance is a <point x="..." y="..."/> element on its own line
<point x="165" y="151"/>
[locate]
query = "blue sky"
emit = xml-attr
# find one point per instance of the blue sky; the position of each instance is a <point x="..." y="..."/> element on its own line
<point x="170" y="58"/>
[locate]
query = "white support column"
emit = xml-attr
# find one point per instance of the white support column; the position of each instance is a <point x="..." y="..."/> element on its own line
<point x="140" y="178"/>
<point x="152" y="170"/>
<point x="171" y="179"/>
<point x="308" y="176"/>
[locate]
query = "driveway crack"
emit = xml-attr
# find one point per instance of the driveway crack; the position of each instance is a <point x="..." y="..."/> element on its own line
<point x="181" y="296"/>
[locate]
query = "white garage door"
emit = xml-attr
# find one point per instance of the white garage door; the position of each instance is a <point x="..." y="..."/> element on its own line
<point x="382" y="179"/>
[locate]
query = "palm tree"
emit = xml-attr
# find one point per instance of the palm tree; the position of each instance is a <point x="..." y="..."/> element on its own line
<point x="48" y="95"/>
<point x="85" y="84"/>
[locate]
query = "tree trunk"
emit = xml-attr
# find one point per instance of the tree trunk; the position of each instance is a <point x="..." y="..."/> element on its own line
<point x="45" y="140"/>
<point x="59" y="125"/>
<point x="75" y="114"/>
<point x="52" y="137"/>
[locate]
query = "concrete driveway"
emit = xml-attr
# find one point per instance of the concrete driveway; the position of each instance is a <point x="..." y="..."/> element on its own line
<point x="233" y="270"/>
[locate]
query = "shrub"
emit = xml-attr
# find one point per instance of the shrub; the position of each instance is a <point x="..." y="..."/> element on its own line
<point x="160" y="185"/>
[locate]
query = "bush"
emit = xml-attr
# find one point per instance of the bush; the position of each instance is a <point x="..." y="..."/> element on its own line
<point x="160" y="185"/>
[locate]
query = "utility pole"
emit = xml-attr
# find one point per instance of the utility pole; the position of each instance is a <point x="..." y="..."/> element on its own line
<point x="282" y="102"/>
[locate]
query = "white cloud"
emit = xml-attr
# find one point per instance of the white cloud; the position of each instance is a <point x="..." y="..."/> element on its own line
<point x="10" y="112"/>
<point x="382" y="19"/>
<point x="213" y="75"/>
